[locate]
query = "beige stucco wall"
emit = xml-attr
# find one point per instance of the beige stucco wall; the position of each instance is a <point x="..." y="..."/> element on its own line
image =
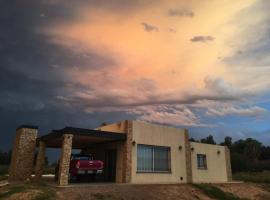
<point x="120" y="127"/>
<point x="152" y="134"/>
<point x="216" y="163"/>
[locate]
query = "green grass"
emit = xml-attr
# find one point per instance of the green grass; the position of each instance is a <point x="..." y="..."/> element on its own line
<point x="49" y="170"/>
<point x="254" y="177"/>
<point x="45" y="192"/>
<point x="3" y="169"/>
<point x="216" y="193"/>
<point x="3" y="177"/>
<point x="11" y="191"/>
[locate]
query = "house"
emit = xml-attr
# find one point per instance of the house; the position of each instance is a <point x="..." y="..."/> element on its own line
<point x="134" y="152"/>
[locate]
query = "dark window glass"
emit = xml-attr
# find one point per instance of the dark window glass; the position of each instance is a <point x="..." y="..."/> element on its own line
<point x="153" y="158"/>
<point x="201" y="161"/>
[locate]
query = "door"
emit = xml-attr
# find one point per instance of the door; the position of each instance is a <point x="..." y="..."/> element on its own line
<point x="110" y="165"/>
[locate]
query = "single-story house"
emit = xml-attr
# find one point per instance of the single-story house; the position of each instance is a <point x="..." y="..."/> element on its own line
<point x="134" y="152"/>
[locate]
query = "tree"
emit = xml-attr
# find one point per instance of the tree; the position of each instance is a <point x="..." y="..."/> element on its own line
<point x="238" y="146"/>
<point x="239" y="162"/>
<point x="265" y="153"/>
<point x="252" y="149"/>
<point x="5" y="157"/>
<point x="192" y="140"/>
<point x="227" y="142"/>
<point x="208" y="140"/>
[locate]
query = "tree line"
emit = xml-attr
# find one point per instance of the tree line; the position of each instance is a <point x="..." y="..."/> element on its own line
<point x="246" y="155"/>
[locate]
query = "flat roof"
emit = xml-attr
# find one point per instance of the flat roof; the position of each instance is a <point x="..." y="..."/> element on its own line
<point x="82" y="138"/>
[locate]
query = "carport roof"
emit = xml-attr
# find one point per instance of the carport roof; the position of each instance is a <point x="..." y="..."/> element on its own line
<point x="82" y="138"/>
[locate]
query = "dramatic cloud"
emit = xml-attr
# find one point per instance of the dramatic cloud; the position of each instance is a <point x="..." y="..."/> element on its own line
<point x="180" y="13"/>
<point x="171" y="30"/>
<point x="80" y="63"/>
<point x="149" y="28"/>
<point x="201" y="38"/>
<point x="223" y="111"/>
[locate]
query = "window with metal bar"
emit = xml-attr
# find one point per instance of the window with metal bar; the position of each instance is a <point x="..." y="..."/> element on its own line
<point x="201" y="161"/>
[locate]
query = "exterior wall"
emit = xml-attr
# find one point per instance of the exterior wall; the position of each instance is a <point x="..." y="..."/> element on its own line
<point x="150" y="134"/>
<point x="120" y="127"/>
<point x="21" y="166"/>
<point x="127" y="153"/>
<point x="216" y="163"/>
<point x="228" y="163"/>
<point x="188" y="158"/>
<point x="65" y="160"/>
<point x="40" y="160"/>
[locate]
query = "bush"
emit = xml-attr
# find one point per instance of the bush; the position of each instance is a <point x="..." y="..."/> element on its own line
<point x="215" y="192"/>
<point x="239" y="162"/>
<point x="255" y="177"/>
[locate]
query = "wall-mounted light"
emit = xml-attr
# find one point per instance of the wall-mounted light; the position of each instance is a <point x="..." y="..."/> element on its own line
<point x="180" y="147"/>
<point x="192" y="149"/>
<point x="218" y="152"/>
<point x="133" y="143"/>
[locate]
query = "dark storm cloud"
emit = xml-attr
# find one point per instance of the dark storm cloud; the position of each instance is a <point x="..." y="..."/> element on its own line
<point x="202" y="38"/>
<point x="149" y="27"/>
<point x="33" y="68"/>
<point x="181" y="13"/>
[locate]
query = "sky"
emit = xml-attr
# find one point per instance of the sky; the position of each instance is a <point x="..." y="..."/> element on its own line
<point x="200" y="64"/>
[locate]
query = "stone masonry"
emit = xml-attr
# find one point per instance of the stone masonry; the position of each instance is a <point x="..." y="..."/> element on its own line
<point x="228" y="163"/>
<point x="40" y="160"/>
<point x="188" y="157"/>
<point x="127" y="160"/>
<point x="22" y="160"/>
<point x="65" y="160"/>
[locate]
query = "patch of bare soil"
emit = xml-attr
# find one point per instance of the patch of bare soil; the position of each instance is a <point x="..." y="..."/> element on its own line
<point x="132" y="192"/>
<point x="27" y="195"/>
<point x="246" y="190"/>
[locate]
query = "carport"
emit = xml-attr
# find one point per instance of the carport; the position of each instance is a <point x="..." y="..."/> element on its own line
<point x="110" y="144"/>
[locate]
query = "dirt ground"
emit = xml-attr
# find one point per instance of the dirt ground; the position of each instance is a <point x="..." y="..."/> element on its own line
<point x="246" y="190"/>
<point x="133" y="192"/>
<point x="146" y="192"/>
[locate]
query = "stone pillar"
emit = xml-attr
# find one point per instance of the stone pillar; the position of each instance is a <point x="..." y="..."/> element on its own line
<point x="23" y="153"/>
<point x="65" y="160"/>
<point x="40" y="160"/>
<point x="228" y="163"/>
<point x="188" y="157"/>
<point x="127" y="153"/>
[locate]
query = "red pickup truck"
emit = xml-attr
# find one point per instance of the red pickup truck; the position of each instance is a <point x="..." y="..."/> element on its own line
<point x="82" y="165"/>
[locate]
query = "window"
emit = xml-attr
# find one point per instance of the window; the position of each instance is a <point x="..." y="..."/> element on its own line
<point x="201" y="161"/>
<point x="153" y="158"/>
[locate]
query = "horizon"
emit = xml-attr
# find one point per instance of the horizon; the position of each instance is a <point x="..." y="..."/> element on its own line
<point x="199" y="65"/>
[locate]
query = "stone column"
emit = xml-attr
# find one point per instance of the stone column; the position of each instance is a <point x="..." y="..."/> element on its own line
<point x="127" y="153"/>
<point x="65" y="160"/>
<point x="228" y="163"/>
<point x="188" y="157"/>
<point x="40" y="160"/>
<point x="23" y="152"/>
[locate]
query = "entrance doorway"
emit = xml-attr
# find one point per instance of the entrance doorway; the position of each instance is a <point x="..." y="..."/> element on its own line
<point x="110" y="165"/>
